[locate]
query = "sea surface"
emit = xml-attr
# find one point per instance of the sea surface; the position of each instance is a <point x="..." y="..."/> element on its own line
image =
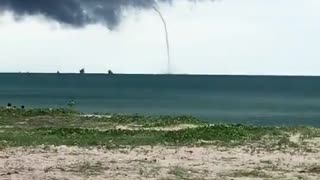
<point x="258" y="100"/>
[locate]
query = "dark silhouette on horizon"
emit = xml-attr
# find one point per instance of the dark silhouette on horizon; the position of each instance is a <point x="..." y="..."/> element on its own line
<point x="82" y="71"/>
<point x="110" y="72"/>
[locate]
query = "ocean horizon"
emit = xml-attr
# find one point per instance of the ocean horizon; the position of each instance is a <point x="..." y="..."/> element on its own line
<point x="163" y="74"/>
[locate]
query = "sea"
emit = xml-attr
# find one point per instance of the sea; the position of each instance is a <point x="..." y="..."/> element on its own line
<point x="255" y="100"/>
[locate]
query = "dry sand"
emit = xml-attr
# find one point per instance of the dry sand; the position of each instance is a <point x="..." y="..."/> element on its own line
<point x="168" y="128"/>
<point x="159" y="162"/>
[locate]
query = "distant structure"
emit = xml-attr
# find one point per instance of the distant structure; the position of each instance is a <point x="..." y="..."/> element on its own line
<point x="82" y="71"/>
<point x="58" y="72"/>
<point x="110" y="72"/>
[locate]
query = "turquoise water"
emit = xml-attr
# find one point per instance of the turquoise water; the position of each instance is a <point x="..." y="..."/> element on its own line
<point x="260" y="100"/>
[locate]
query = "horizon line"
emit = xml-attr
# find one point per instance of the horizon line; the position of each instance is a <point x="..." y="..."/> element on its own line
<point x="162" y="74"/>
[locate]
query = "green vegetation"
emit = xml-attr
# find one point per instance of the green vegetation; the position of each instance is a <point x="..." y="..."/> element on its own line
<point x="67" y="127"/>
<point x="68" y="118"/>
<point x="227" y="134"/>
<point x="315" y="169"/>
<point x="10" y="112"/>
<point x="154" y="121"/>
<point x="86" y="168"/>
<point x="180" y="173"/>
<point x="250" y="173"/>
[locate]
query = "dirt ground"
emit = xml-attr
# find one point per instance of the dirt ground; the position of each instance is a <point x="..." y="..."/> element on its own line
<point x="159" y="162"/>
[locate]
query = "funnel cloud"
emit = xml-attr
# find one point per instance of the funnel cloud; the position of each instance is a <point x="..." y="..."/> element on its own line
<point x="77" y="13"/>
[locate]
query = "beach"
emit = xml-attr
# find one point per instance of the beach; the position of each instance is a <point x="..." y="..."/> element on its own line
<point x="158" y="162"/>
<point x="63" y="144"/>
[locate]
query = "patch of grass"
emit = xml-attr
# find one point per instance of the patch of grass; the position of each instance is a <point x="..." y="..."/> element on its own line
<point x="13" y="112"/>
<point x="67" y="127"/>
<point x="314" y="169"/>
<point x="284" y="141"/>
<point x="250" y="173"/>
<point x="87" y="168"/>
<point x="305" y="132"/>
<point x="149" y="171"/>
<point x="179" y="173"/>
<point x="150" y="121"/>
<point x="78" y="137"/>
<point x="225" y="134"/>
<point x="67" y="117"/>
<point x="266" y="162"/>
<point x="33" y="118"/>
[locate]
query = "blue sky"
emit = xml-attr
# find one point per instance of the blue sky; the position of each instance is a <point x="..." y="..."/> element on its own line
<point x="275" y="37"/>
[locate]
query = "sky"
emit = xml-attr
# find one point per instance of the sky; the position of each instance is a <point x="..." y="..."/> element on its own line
<point x="251" y="37"/>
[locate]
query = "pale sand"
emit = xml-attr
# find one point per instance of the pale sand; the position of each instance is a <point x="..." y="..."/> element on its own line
<point x="168" y="128"/>
<point x="160" y="162"/>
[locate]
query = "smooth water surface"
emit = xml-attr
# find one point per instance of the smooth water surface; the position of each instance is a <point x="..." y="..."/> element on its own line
<point x="261" y="100"/>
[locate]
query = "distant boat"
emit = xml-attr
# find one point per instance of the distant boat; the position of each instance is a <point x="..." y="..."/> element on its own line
<point x="82" y="71"/>
<point x="110" y="72"/>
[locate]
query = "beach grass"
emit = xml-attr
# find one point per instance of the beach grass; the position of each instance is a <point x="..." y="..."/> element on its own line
<point x="68" y="117"/>
<point x="63" y="142"/>
<point x="67" y="127"/>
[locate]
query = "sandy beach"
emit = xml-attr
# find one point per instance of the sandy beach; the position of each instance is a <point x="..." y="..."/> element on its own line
<point x="61" y="145"/>
<point x="159" y="162"/>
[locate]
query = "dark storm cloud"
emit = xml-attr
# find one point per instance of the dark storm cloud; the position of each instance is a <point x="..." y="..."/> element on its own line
<point x="77" y="13"/>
